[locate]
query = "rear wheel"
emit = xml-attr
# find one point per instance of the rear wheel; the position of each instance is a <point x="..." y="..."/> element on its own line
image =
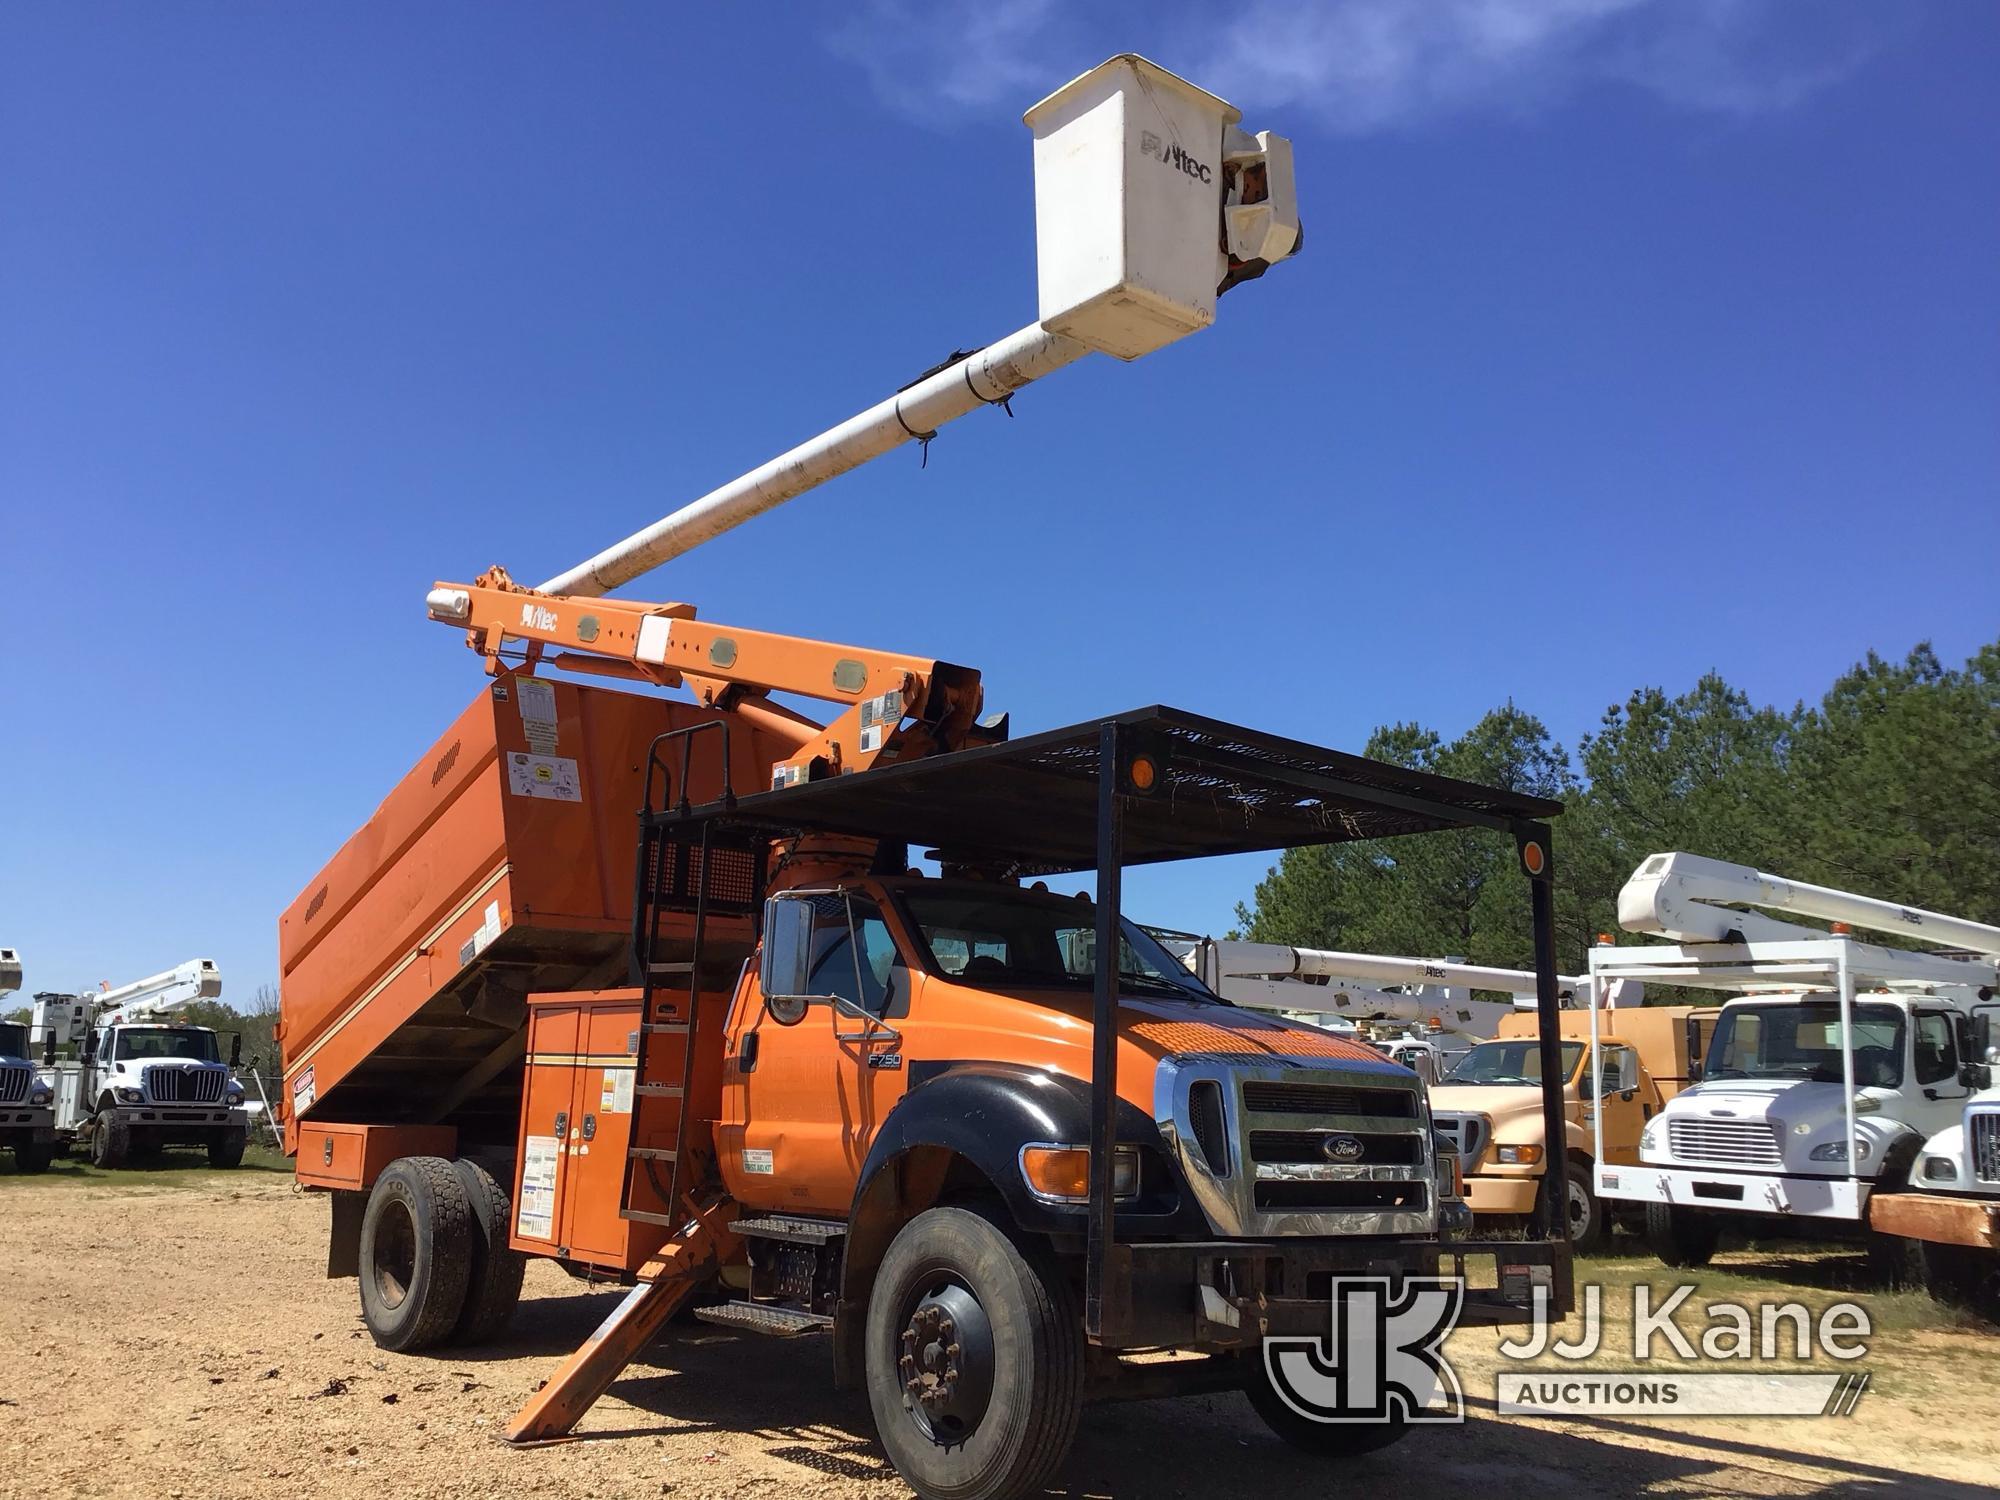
<point x="1588" y="1224"/>
<point x="1962" y="1276"/>
<point x="31" y="1157"/>
<point x="416" y="1253"/>
<point x="1322" y="1439"/>
<point x="226" y="1149"/>
<point x="493" y="1287"/>
<point x="974" y="1359"/>
<point x="110" y="1142"/>
<point x="1681" y="1237"/>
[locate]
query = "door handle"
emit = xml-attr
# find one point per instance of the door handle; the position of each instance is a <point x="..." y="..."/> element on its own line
<point x="562" y="1124"/>
<point x="590" y="1127"/>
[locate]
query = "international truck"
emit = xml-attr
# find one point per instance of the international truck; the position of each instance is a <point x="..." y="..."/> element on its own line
<point x="146" y="1079"/>
<point x="1830" y="1065"/>
<point x="27" y="1114"/>
<point x="802" y="1047"/>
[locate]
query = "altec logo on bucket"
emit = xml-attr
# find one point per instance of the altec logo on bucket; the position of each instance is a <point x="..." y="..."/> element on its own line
<point x="1173" y="156"/>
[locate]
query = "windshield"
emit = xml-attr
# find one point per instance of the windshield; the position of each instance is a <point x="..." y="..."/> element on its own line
<point x="13" y="1039"/>
<point x="1004" y="937"/>
<point x="1510" y="1062"/>
<point x="1802" y="1041"/>
<point x="150" y="1043"/>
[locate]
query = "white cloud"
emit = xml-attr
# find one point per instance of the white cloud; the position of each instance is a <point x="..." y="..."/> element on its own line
<point x="1360" y="65"/>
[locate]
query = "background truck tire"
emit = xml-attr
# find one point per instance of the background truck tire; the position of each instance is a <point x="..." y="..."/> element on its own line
<point x="226" y="1149"/>
<point x="110" y="1142"/>
<point x="1589" y="1225"/>
<point x="988" y="1332"/>
<point x="493" y="1288"/>
<point x="1962" y="1276"/>
<point x="416" y="1253"/>
<point x="1322" y="1439"/>
<point x="31" y="1157"/>
<point x="1681" y="1237"/>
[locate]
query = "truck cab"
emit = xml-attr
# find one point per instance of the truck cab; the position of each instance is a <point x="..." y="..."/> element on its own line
<point x="27" y="1116"/>
<point x="146" y="1085"/>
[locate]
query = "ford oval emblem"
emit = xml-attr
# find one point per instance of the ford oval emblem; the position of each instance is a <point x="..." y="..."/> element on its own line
<point x="1342" y="1148"/>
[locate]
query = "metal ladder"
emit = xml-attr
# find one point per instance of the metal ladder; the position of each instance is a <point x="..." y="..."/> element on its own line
<point x="676" y="872"/>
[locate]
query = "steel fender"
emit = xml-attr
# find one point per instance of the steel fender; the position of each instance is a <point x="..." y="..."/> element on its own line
<point x="986" y="1112"/>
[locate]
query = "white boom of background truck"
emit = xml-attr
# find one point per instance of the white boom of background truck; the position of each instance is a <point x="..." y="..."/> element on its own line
<point x="145" y="1078"/>
<point x="1831" y="1066"/>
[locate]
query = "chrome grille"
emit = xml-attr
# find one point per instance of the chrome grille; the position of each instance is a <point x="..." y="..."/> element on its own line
<point x="1299" y="1146"/>
<point x="1982" y="1134"/>
<point x="184" y="1085"/>
<point x="1736" y="1143"/>
<point x="14" y="1084"/>
<point x="1467" y="1133"/>
<point x="1328" y="1099"/>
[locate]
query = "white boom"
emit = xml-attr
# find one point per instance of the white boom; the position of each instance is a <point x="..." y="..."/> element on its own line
<point x="1270" y="976"/>
<point x="1691" y="899"/>
<point x="10" y="970"/>
<point x="197" y="979"/>
<point x="1149" y="201"/>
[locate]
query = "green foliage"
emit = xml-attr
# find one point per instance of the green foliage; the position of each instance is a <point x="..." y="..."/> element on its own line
<point x="1889" y="785"/>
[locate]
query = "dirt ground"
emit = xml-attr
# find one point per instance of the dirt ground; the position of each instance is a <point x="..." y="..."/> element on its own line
<point x="171" y="1336"/>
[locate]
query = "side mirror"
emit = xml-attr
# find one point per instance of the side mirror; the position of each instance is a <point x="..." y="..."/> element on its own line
<point x="786" y="959"/>
<point x="236" y="1049"/>
<point x="90" y="1049"/>
<point x="49" y="1049"/>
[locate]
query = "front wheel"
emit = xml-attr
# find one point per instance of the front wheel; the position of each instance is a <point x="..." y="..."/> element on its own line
<point x="1322" y="1439"/>
<point x="1962" y="1276"/>
<point x="226" y="1150"/>
<point x="1683" y="1238"/>
<point x="32" y="1157"/>
<point x="416" y="1253"/>
<point x="110" y="1142"/>
<point x="1588" y="1224"/>
<point x="974" y="1359"/>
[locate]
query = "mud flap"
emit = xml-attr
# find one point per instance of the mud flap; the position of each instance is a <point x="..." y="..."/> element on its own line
<point x="343" y="1242"/>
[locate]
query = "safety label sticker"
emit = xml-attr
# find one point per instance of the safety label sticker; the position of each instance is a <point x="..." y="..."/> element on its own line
<point x="550" y="776"/>
<point x="615" y="1098"/>
<point x="303" y="1092"/>
<point x="487" y="930"/>
<point x="537" y="1219"/>
<point x="879" y="717"/>
<point x="759" y="1162"/>
<point x="538" y="715"/>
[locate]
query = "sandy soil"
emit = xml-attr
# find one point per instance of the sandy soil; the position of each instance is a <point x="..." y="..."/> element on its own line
<point x="176" y="1340"/>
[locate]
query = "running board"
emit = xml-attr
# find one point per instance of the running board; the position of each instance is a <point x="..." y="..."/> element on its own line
<point x="765" y="1318"/>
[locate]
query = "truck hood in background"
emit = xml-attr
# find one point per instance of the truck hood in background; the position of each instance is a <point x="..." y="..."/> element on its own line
<point x="1497" y="1101"/>
<point x="1784" y="1103"/>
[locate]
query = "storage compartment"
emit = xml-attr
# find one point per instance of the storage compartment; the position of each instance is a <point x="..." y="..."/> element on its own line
<point x="582" y="1110"/>
<point x="502" y="864"/>
<point x="353" y="1156"/>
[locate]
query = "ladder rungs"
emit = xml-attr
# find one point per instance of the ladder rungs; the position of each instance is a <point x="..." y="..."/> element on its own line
<point x="659" y="1090"/>
<point x="665" y="1028"/>
<point x="669" y="970"/>
<point x="650" y="1153"/>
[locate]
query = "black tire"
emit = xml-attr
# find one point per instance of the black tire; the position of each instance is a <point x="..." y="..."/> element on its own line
<point x="226" y="1149"/>
<point x="493" y="1289"/>
<point x="61" y="1149"/>
<point x="1897" y="1263"/>
<point x="110" y="1142"/>
<point x="1321" y="1439"/>
<point x="1683" y="1238"/>
<point x="33" y="1157"/>
<point x="416" y="1253"/>
<point x="994" y="1340"/>
<point x="1589" y="1225"/>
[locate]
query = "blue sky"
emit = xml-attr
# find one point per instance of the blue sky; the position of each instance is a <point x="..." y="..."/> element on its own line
<point x="1633" y="338"/>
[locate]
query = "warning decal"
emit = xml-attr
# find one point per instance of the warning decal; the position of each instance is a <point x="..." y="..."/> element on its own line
<point x="550" y="776"/>
<point x="538" y="715"/>
<point x="537" y="1219"/>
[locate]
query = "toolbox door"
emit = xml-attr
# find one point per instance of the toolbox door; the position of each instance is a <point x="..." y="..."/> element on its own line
<point x="549" y="1121"/>
<point x="600" y="1133"/>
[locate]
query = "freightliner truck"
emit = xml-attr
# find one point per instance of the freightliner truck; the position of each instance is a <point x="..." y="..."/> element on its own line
<point x="989" y="1142"/>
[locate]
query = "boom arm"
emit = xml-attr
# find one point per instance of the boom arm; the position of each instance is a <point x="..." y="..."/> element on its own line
<point x="1687" y="898"/>
<point x="197" y="979"/>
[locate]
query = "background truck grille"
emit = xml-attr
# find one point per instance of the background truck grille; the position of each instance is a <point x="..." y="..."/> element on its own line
<point x="14" y="1084"/>
<point x="1328" y="1099"/>
<point x="1295" y="1146"/>
<point x="1737" y="1143"/>
<point x="184" y="1085"/>
<point x="1982" y="1133"/>
<point x="1467" y="1133"/>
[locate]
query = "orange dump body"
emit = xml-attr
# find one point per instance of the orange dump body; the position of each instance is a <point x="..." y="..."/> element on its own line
<point x="502" y="863"/>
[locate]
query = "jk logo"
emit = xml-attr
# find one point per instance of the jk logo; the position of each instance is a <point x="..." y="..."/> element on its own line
<point x="1383" y="1360"/>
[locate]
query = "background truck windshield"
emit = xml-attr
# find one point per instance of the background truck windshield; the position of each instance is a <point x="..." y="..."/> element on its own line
<point x="1802" y="1041"/>
<point x="1510" y="1062"/>
<point x="13" y="1039"/>
<point x="149" y="1043"/>
<point x="1006" y="937"/>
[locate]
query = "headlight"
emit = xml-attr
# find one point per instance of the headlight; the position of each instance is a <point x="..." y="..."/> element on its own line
<point x="234" y="1093"/>
<point x="1063" y="1172"/>
<point x="1940" y="1169"/>
<point x="1518" y="1156"/>
<point x="40" y="1096"/>
<point x="1837" y="1151"/>
<point x="130" y="1096"/>
<point x="1650" y="1136"/>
